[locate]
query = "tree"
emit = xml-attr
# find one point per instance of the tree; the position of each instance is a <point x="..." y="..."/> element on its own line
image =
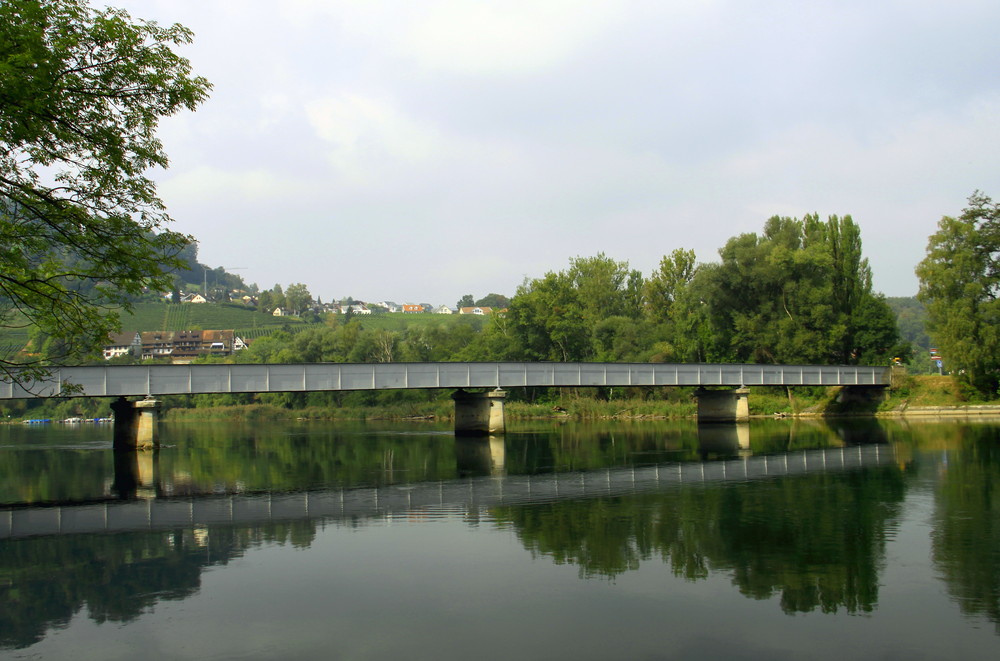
<point x="669" y="281"/>
<point x="265" y="301"/>
<point x="81" y="227"/>
<point x="673" y="305"/>
<point x="297" y="297"/>
<point x="547" y="320"/>
<point x="606" y="287"/>
<point x="278" y="297"/>
<point x="557" y="317"/>
<point x="959" y="284"/>
<point x="798" y="293"/>
<point x="466" y="302"/>
<point x="495" y="301"/>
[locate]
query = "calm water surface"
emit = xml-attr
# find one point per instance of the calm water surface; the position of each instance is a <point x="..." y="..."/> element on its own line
<point x="779" y="540"/>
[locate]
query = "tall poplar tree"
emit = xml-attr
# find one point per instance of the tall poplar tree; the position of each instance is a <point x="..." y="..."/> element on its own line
<point x="800" y="292"/>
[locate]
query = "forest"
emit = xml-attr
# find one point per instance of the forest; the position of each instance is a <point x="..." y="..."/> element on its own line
<point x="799" y="292"/>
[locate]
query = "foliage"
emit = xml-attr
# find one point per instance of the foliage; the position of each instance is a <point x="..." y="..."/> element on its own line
<point x="911" y="319"/>
<point x="495" y="301"/>
<point x="297" y="297"/>
<point x="798" y="293"/>
<point x="81" y="227"/>
<point x="674" y="304"/>
<point x="557" y="317"/>
<point x="959" y="284"/>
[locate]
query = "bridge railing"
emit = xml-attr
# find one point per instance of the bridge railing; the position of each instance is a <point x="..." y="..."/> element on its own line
<point x="138" y="380"/>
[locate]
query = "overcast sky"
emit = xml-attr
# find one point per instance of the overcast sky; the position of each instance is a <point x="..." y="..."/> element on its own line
<point x="421" y="150"/>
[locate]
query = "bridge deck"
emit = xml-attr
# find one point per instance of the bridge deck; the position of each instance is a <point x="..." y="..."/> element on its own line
<point x="136" y="380"/>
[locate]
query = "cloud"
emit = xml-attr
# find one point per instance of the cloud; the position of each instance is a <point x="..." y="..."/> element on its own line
<point x="475" y="143"/>
<point x="519" y="36"/>
<point x="204" y="183"/>
<point x="365" y="137"/>
<point x="472" y="38"/>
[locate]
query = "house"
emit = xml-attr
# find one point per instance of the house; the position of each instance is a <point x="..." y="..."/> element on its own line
<point x="411" y="308"/>
<point x="444" y="309"/>
<point x="178" y="346"/>
<point x="123" y="344"/>
<point x="358" y="308"/>
<point x="475" y="310"/>
<point x="278" y="312"/>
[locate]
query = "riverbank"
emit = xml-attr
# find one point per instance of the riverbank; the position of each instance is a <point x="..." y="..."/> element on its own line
<point x="913" y="396"/>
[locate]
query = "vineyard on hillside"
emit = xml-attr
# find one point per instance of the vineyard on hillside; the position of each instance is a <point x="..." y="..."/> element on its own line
<point x="203" y="316"/>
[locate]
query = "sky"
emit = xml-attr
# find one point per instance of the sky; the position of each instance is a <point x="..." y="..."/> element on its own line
<point x="420" y="150"/>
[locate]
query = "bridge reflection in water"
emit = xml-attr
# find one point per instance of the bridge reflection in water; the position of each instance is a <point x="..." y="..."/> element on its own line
<point x="484" y="491"/>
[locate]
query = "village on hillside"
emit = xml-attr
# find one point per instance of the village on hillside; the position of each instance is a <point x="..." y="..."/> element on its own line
<point x="184" y="346"/>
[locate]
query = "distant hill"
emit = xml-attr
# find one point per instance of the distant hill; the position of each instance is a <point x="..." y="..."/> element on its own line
<point x="911" y="318"/>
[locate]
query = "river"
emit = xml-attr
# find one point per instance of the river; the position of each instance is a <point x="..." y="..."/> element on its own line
<point x="644" y="540"/>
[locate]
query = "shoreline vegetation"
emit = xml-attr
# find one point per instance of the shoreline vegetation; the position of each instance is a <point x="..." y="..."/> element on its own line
<point x="911" y="396"/>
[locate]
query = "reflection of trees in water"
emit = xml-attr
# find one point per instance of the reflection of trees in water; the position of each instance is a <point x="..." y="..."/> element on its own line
<point x="966" y="537"/>
<point x="46" y="581"/>
<point x="60" y="475"/>
<point x="816" y="540"/>
<point x="209" y="458"/>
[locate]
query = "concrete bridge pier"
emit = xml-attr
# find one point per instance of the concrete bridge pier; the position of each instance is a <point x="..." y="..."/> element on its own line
<point x="723" y="405"/>
<point x="479" y="413"/>
<point x="135" y="423"/>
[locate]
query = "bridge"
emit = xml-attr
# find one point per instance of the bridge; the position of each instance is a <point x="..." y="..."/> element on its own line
<point x="152" y="380"/>
<point x="454" y="495"/>
<point x="474" y="412"/>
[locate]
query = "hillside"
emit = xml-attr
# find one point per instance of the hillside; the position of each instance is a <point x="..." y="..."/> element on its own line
<point x="911" y="319"/>
<point x="247" y="323"/>
<point x="206" y="316"/>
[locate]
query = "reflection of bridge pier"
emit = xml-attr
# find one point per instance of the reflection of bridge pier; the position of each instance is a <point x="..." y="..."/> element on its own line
<point x="480" y="456"/>
<point x="137" y="474"/>
<point x="721" y="438"/>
